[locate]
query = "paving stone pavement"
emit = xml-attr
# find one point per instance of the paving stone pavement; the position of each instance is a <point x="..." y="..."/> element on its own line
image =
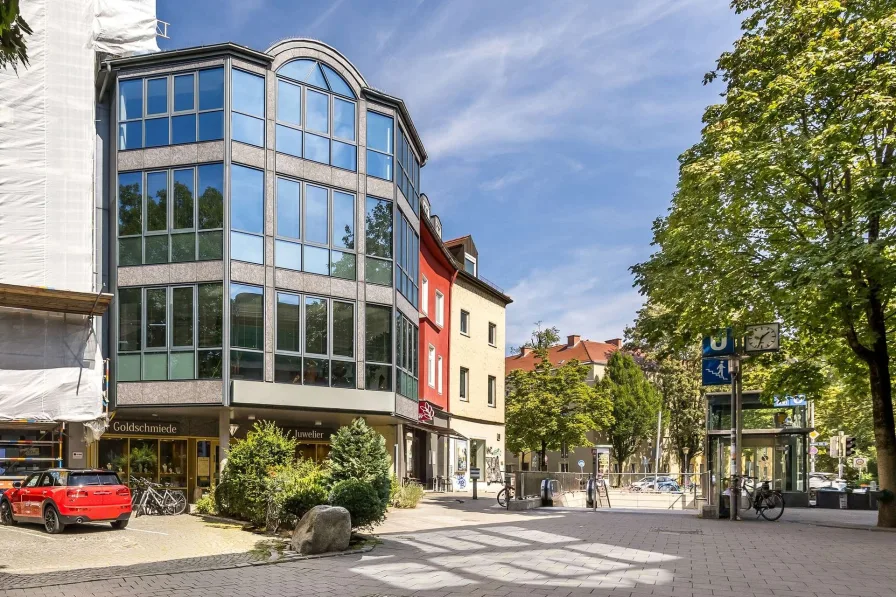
<point x="446" y="548"/>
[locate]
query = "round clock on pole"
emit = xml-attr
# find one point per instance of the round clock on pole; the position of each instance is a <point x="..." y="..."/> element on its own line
<point x="763" y="337"/>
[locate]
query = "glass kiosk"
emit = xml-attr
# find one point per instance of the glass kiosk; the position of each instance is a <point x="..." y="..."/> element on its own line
<point x="775" y="445"/>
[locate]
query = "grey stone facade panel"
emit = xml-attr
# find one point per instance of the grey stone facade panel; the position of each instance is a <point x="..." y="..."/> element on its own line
<point x="344" y="288"/>
<point x="210" y="151"/>
<point x="143" y="275"/>
<point x="130" y="160"/>
<point x="405" y="306"/>
<point x="169" y="392"/>
<point x="289" y="280"/>
<point x="379" y="294"/>
<point x="172" y="155"/>
<point x="290" y="165"/>
<point x="248" y="66"/>
<point x="315" y="172"/>
<point x="406" y="407"/>
<point x="208" y="271"/>
<point x="249" y="273"/>
<point x="247" y="155"/>
<point x="405" y="206"/>
<point x="380" y="188"/>
<point x="315" y="284"/>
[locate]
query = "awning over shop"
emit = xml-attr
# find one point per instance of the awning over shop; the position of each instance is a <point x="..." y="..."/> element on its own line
<point x="445" y="431"/>
<point x="50" y="299"/>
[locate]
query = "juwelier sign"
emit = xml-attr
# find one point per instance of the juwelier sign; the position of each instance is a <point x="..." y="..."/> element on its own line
<point x="143" y="428"/>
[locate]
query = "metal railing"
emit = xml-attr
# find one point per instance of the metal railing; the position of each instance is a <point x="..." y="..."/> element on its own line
<point x="530" y="482"/>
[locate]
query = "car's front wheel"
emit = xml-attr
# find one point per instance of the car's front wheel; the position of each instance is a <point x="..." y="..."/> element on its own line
<point x="6" y="518"/>
<point x="52" y="523"/>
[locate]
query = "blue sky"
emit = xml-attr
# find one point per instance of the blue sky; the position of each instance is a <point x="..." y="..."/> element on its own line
<point x="553" y="128"/>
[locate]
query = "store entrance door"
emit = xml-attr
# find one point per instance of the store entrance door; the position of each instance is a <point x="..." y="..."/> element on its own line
<point x="208" y="465"/>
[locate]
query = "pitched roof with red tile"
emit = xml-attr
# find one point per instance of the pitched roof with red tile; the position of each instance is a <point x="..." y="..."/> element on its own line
<point x="585" y="351"/>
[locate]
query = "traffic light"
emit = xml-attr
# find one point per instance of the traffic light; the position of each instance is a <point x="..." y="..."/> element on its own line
<point x="850" y="446"/>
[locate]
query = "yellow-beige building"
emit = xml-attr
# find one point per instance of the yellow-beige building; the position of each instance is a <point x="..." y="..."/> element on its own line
<point x="476" y="400"/>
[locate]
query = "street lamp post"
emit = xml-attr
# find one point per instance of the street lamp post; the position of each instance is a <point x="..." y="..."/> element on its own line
<point x="687" y="476"/>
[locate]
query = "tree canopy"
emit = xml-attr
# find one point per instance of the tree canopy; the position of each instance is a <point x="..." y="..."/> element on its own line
<point x="552" y="405"/>
<point x="786" y="208"/>
<point x="13" y="29"/>
<point x="635" y="401"/>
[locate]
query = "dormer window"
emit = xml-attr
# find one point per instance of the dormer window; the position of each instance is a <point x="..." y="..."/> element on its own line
<point x="470" y="264"/>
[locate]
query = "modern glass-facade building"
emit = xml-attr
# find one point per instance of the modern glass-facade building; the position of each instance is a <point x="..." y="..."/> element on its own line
<point x="264" y="253"/>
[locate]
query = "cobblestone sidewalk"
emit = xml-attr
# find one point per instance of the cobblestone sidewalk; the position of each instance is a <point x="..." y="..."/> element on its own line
<point x="447" y="548"/>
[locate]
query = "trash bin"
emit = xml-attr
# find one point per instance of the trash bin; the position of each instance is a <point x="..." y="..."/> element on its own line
<point x="828" y="499"/>
<point x="547" y="492"/>
<point x="858" y="500"/>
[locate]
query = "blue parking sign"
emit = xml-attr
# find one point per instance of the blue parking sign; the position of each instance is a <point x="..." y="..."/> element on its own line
<point x="716" y="372"/>
<point x="721" y="343"/>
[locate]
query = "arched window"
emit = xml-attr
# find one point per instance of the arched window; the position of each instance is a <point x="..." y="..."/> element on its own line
<point x="316" y="114"/>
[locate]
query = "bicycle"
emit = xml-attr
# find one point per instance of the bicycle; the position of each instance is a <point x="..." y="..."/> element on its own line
<point x="767" y="502"/>
<point x="504" y="495"/>
<point x="153" y="501"/>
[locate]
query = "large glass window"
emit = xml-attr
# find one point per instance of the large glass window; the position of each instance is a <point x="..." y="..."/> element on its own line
<point x="247" y="107"/>
<point x="408" y="171"/>
<point x="378" y="347"/>
<point x="148" y="116"/>
<point x="315" y="341"/>
<point x="328" y="217"/>
<point x="326" y="131"/>
<point x="408" y="261"/>
<point x="169" y="232"/>
<point x="406" y="350"/>
<point x="246" y="214"/>
<point x="378" y="235"/>
<point x="158" y="329"/>
<point x="246" y="332"/>
<point x="379" y="145"/>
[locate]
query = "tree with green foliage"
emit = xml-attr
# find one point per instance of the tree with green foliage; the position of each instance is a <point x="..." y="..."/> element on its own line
<point x="786" y="207"/>
<point x="552" y="406"/>
<point x="13" y="29"/>
<point x="635" y="402"/>
<point x="676" y="373"/>
<point x="359" y="452"/>
<point x="242" y="491"/>
<point x="541" y="338"/>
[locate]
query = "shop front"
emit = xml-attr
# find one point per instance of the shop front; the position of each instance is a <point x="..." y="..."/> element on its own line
<point x="477" y="445"/>
<point x="160" y="452"/>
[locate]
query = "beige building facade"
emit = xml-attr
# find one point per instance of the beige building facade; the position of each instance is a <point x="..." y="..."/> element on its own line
<point x="476" y="401"/>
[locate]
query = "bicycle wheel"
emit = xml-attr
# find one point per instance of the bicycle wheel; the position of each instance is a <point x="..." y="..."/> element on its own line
<point x="502" y="498"/>
<point x="174" y="503"/>
<point x="772" y="506"/>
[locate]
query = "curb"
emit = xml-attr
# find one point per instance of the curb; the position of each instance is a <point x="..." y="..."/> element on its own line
<point x="291" y="557"/>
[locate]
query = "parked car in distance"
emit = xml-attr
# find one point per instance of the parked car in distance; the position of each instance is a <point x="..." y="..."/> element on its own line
<point x="826" y="482"/>
<point x="647" y="483"/>
<point x="60" y="497"/>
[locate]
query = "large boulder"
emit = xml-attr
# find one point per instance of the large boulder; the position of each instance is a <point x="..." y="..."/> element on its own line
<point x="323" y="529"/>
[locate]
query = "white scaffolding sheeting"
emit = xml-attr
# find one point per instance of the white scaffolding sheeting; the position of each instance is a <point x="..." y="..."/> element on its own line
<point x="49" y="370"/>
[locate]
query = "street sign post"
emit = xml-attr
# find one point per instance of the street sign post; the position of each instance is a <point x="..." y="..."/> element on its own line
<point x="716" y="372"/>
<point x="581" y="464"/>
<point x="813" y="450"/>
<point x="720" y="344"/>
<point x="813" y="435"/>
<point x="858" y="462"/>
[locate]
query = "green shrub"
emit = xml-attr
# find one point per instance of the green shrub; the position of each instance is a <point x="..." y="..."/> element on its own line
<point x="293" y="490"/>
<point x="394" y="488"/>
<point x="361" y="500"/>
<point x="408" y="496"/>
<point x="243" y="489"/>
<point x="206" y="504"/>
<point x="357" y="452"/>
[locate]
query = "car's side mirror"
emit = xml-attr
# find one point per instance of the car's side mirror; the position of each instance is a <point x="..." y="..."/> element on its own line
<point x="16" y="484"/>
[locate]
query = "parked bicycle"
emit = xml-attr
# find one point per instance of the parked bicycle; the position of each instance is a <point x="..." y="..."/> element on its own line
<point x="154" y="498"/>
<point x="767" y="502"/>
<point x="504" y="495"/>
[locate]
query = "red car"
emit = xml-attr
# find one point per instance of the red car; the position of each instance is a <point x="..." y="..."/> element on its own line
<point x="59" y="497"/>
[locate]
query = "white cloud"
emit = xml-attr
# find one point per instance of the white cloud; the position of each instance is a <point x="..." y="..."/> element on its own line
<point x="505" y="180"/>
<point x="581" y="293"/>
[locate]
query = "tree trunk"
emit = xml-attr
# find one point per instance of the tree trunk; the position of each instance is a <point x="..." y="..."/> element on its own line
<point x="542" y="457"/>
<point x="884" y="433"/>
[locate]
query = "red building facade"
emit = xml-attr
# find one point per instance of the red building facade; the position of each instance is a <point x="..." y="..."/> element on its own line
<point x="438" y="271"/>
